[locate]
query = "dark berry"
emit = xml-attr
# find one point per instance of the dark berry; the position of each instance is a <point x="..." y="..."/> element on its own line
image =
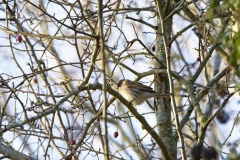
<point x="196" y="152"/>
<point x="223" y="116"/>
<point x="210" y="154"/>
<point x="169" y="44"/>
<point x="153" y="48"/>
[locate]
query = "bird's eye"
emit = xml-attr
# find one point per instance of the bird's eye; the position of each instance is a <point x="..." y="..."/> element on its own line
<point x="120" y="83"/>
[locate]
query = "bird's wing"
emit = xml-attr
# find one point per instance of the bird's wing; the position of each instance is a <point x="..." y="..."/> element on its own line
<point x="139" y="86"/>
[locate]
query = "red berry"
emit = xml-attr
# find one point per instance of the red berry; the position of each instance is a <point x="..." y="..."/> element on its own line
<point x="35" y="80"/>
<point x="19" y="39"/>
<point x="198" y="59"/>
<point x="115" y="134"/>
<point x="22" y="127"/>
<point x="73" y="142"/>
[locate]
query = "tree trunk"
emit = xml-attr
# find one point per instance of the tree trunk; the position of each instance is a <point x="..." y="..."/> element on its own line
<point x="163" y="106"/>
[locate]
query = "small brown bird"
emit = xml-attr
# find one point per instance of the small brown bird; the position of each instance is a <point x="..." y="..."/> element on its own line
<point x="136" y="92"/>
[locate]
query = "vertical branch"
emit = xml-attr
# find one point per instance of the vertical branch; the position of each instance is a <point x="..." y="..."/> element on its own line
<point x="101" y="40"/>
<point x="166" y="48"/>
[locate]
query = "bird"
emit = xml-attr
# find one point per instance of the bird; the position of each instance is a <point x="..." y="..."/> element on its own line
<point x="136" y="92"/>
